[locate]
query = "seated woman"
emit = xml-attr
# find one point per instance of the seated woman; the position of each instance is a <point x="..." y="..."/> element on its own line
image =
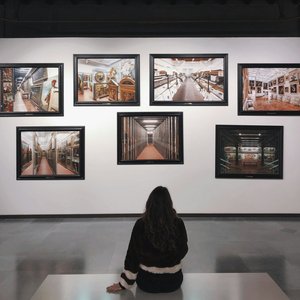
<point x="157" y="245"/>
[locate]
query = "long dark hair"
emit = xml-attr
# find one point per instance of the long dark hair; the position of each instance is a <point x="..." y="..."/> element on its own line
<point x="159" y="218"/>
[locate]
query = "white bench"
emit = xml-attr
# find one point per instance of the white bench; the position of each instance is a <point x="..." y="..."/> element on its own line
<point x="196" y="286"/>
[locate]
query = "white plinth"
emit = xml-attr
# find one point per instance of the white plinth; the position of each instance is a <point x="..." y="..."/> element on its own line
<point x="196" y="286"/>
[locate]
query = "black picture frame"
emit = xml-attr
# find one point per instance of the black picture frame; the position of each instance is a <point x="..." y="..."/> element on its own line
<point x="207" y="79"/>
<point x="150" y="138"/>
<point x="249" y="151"/>
<point x="280" y="92"/>
<point x="47" y="153"/>
<point x="31" y="89"/>
<point x="106" y="79"/>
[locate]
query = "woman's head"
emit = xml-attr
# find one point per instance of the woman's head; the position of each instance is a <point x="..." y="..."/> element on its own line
<point x="159" y="217"/>
<point x="159" y="204"/>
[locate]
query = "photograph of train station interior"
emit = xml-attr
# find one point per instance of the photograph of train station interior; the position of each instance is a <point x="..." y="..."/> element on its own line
<point x="271" y="89"/>
<point x="189" y="79"/>
<point x="150" y="138"/>
<point x="29" y="89"/>
<point x="49" y="153"/>
<point x="158" y="89"/>
<point x="103" y="80"/>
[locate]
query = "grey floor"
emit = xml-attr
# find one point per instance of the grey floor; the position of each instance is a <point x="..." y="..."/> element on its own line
<point x="30" y="249"/>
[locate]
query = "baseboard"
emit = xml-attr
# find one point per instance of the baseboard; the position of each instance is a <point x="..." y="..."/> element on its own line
<point x="183" y="215"/>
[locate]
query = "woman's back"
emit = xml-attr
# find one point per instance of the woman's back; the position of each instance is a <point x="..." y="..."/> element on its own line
<point x="150" y="255"/>
<point x="157" y="245"/>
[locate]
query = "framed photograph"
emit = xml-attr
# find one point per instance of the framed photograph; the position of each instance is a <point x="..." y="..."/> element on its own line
<point x="150" y="138"/>
<point x="31" y="90"/>
<point x="277" y="89"/>
<point x="188" y="79"/>
<point x="249" y="151"/>
<point x="106" y="79"/>
<point x="50" y="153"/>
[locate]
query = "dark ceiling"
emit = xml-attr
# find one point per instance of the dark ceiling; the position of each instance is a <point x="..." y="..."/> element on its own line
<point x="149" y="18"/>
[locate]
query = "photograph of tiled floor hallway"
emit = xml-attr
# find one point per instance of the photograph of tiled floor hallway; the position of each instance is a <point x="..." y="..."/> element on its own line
<point x="31" y="249"/>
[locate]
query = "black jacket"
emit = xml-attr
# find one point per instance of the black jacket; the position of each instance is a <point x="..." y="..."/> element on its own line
<point x="142" y="254"/>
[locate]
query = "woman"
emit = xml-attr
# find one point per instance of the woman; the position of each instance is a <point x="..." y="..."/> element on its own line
<point x="157" y="245"/>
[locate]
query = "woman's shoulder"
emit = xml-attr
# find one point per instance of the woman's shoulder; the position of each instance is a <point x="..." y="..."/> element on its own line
<point x="139" y="221"/>
<point x="179" y="223"/>
<point x="138" y="228"/>
<point x="139" y="224"/>
<point x="179" y="220"/>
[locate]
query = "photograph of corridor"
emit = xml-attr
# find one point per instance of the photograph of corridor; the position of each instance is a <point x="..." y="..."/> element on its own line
<point x="29" y="90"/>
<point x="186" y="79"/>
<point x="249" y="151"/>
<point x="48" y="153"/>
<point x="269" y="88"/>
<point x="150" y="138"/>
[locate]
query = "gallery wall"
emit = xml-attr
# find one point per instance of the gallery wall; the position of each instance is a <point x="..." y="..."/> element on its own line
<point x="109" y="188"/>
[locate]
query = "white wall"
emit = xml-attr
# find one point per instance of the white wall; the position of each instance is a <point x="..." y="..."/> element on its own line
<point x="110" y="188"/>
